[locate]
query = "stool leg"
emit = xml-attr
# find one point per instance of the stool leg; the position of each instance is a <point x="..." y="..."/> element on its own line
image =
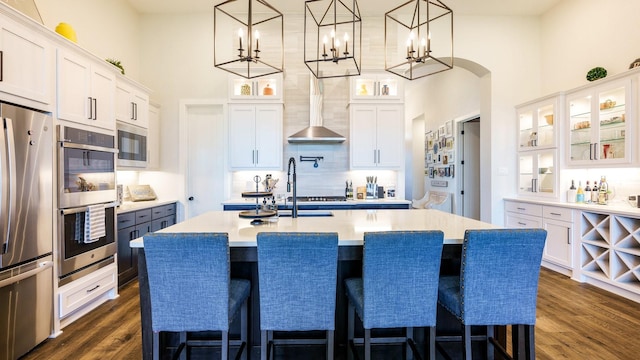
<point x="156" y="345"/>
<point x="183" y="340"/>
<point x="531" y="342"/>
<point x="225" y="345"/>
<point x="367" y="344"/>
<point x="490" y="348"/>
<point x="263" y="345"/>
<point x="244" y="320"/>
<point x="518" y="341"/>
<point x="330" y="337"/>
<point x="408" y="351"/>
<point x="432" y="343"/>
<point x="466" y="339"/>
<point x="350" y="330"/>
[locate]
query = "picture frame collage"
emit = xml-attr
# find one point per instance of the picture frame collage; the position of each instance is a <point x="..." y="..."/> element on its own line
<point x="440" y="151"/>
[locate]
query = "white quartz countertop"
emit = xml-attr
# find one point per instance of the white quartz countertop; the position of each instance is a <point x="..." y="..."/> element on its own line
<point x="349" y="224"/>
<point x="128" y="206"/>
<point x="617" y="206"/>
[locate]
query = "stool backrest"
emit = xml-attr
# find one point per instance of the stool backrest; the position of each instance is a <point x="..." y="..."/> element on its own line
<point x="400" y="271"/>
<point x="499" y="276"/>
<point x="188" y="281"/>
<point x="297" y="276"/>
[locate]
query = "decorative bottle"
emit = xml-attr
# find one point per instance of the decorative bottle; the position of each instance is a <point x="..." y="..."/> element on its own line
<point x="602" y="193"/>
<point x="587" y="193"/>
<point x="594" y="193"/>
<point x="572" y="192"/>
<point x="580" y="193"/>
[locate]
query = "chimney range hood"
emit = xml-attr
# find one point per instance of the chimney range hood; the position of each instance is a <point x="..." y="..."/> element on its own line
<point x="316" y="133"/>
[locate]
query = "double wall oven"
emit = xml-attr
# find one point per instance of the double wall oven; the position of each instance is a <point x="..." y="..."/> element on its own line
<point x="86" y="183"/>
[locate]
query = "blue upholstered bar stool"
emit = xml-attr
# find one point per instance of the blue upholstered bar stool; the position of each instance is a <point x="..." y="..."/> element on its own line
<point x="497" y="285"/>
<point x="398" y="288"/>
<point x="191" y="290"/>
<point x="297" y="274"/>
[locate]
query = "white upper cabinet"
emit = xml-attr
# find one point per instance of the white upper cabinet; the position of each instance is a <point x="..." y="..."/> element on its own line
<point x="255" y="136"/>
<point x="86" y="90"/>
<point x="538" y="123"/>
<point x="376" y="87"/>
<point x="598" y="130"/>
<point x="26" y="63"/>
<point x="132" y="103"/>
<point x="538" y="173"/>
<point x="376" y="136"/>
<point x="265" y="88"/>
<point x="153" y="138"/>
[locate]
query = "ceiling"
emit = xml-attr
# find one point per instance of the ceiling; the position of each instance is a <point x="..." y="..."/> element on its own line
<point x="367" y="7"/>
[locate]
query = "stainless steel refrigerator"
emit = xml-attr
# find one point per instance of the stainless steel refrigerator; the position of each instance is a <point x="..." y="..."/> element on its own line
<point x="26" y="229"/>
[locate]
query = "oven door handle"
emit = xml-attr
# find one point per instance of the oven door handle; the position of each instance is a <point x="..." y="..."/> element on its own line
<point x="85" y="208"/>
<point x="8" y="173"/>
<point x="69" y="145"/>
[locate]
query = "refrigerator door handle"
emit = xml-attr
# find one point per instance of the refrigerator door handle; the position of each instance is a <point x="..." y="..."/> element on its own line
<point x="27" y="274"/>
<point x="8" y="206"/>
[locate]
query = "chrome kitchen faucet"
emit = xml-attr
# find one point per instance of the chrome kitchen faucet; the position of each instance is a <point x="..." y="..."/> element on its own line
<point x="294" y="209"/>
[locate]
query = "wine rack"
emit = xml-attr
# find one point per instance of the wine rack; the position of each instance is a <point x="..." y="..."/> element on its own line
<point x="610" y="249"/>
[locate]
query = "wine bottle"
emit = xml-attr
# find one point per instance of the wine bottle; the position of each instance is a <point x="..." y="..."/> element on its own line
<point x="587" y="193"/>
<point x="602" y="192"/>
<point x="572" y="193"/>
<point x="594" y="193"/>
<point x="580" y="193"/>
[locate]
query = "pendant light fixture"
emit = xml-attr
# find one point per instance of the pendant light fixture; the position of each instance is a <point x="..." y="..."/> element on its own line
<point x="248" y="37"/>
<point x="418" y="39"/>
<point x="332" y="38"/>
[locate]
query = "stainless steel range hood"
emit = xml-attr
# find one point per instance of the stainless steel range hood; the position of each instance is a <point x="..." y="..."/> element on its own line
<point x="316" y="133"/>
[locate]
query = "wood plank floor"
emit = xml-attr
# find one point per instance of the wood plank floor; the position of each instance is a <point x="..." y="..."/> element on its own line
<point x="575" y="321"/>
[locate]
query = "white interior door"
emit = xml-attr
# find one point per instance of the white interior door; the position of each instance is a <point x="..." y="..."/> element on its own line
<point x="471" y="169"/>
<point x="205" y="173"/>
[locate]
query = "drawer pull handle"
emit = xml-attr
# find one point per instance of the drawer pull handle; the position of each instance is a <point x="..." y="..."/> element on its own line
<point x="555" y="214"/>
<point x="521" y="223"/>
<point x="522" y="208"/>
<point x="93" y="288"/>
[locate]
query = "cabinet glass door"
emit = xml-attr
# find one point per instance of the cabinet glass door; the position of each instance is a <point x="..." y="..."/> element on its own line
<point x="580" y="125"/>
<point x="537" y="127"/>
<point x="537" y="173"/>
<point x="612" y="123"/>
<point x="598" y="131"/>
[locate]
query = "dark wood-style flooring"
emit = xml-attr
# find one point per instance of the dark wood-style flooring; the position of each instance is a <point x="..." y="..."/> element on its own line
<point x="575" y="321"/>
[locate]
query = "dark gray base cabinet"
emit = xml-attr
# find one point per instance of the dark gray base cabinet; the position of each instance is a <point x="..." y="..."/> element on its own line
<point x="134" y="224"/>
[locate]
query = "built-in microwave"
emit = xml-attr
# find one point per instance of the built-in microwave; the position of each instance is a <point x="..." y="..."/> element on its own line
<point x="132" y="145"/>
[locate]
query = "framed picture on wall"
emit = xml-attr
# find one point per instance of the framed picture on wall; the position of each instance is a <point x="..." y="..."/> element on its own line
<point x="431" y="172"/>
<point x="450" y="155"/>
<point x="448" y="128"/>
<point x="441" y="131"/>
<point x="451" y="170"/>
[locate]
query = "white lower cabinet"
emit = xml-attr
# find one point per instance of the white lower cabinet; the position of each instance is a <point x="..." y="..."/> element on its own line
<point x="83" y="295"/>
<point x="556" y="220"/>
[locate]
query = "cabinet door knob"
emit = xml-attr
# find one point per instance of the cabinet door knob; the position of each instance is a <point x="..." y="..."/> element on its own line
<point x="190" y="198"/>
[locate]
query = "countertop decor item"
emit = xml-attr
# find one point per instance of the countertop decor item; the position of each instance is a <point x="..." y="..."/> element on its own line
<point x="596" y="73"/>
<point x="117" y="64"/>
<point x="67" y="31"/>
<point x="635" y="63"/>
<point x="27" y="7"/>
<point x="267" y="90"/>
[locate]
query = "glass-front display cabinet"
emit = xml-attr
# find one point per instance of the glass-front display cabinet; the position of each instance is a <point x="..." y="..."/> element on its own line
<point x="372" y="86"/>
<point x="538" y="123"/>
<point x="261" y="89"/>
<point x="599" y="132"/>
<point x="537" y="173"/>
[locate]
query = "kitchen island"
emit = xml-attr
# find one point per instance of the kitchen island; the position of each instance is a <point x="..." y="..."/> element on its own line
<point x="350" y="226"/>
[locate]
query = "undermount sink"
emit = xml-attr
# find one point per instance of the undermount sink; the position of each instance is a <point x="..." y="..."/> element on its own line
<point x="307" y="213"/>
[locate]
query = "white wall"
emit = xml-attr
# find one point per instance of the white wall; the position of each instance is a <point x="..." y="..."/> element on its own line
<point x="578" y="35"/>
<point x="106" y="28"/>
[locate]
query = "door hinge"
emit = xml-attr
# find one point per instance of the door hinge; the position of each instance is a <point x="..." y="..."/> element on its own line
<point x="461" y="192"/>
<point x="462" y="162"/>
